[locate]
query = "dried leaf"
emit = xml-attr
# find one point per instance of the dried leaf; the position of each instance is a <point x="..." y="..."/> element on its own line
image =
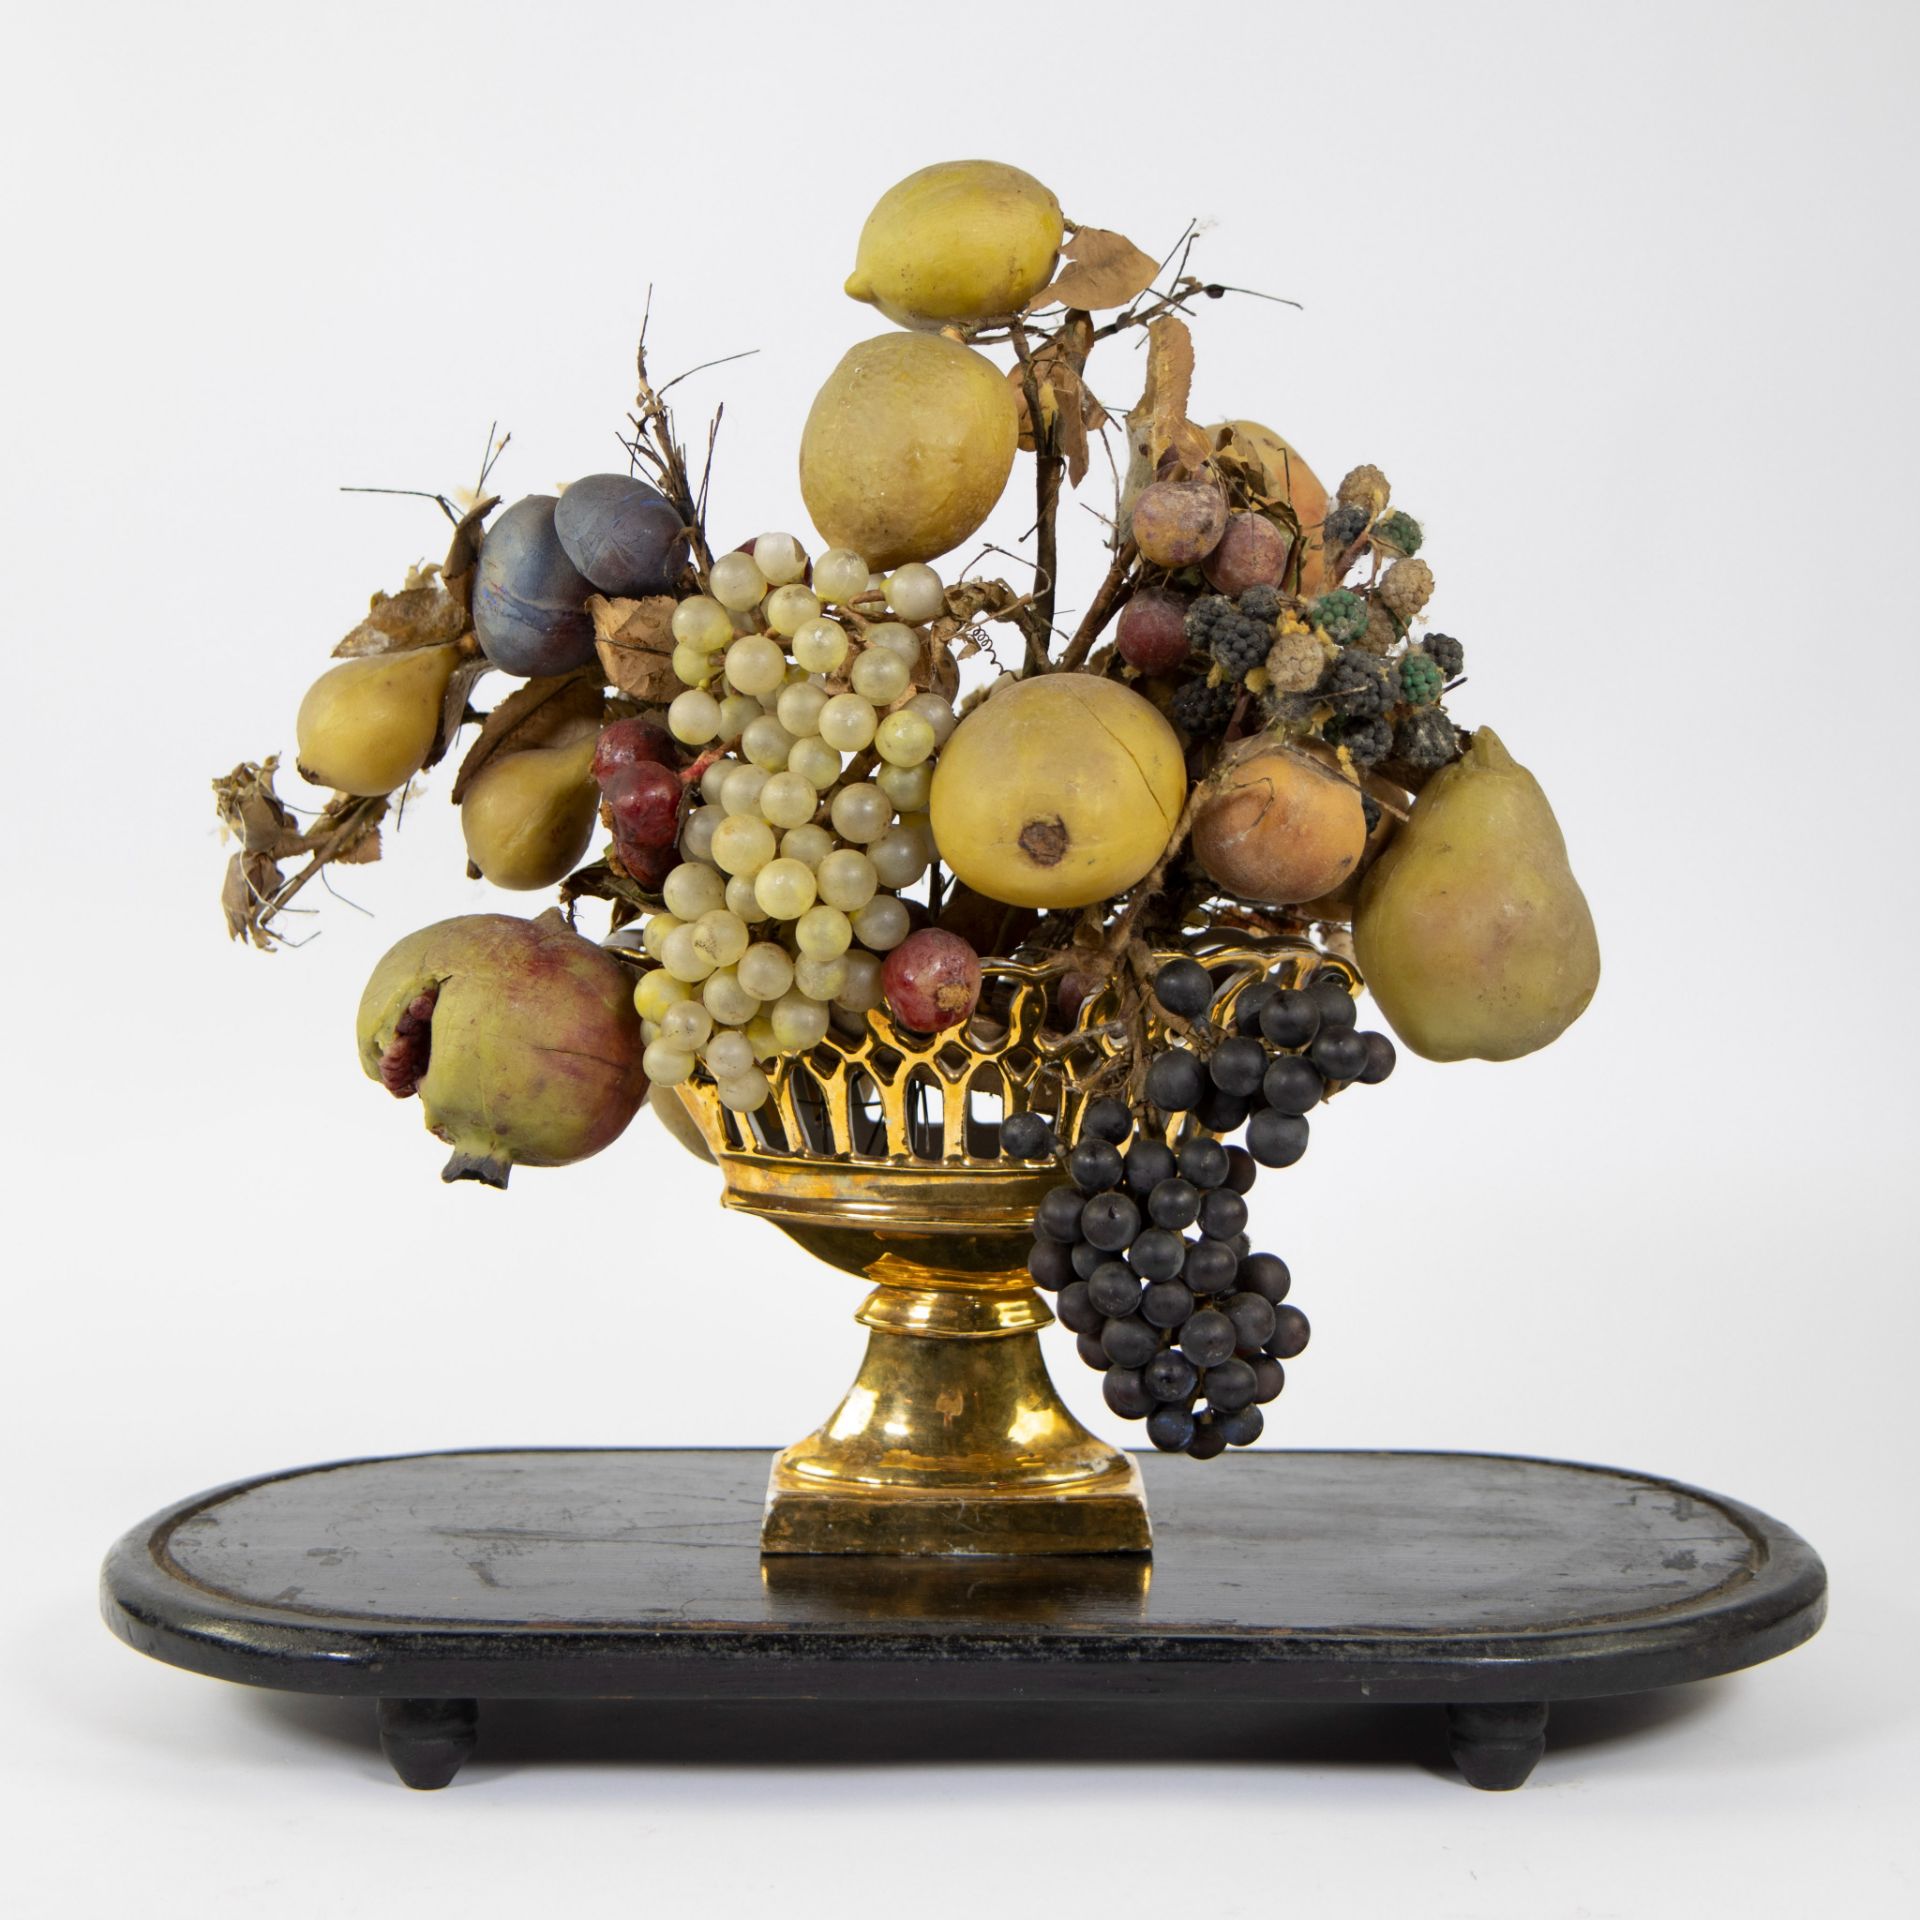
<point x="1105" y="270"/>
<point x="635" y="644"/>
<point x="463" y="552"/>
<point x="453" y="706"/>
<point x="423" y="616"/>
<point x="1163" y="404"/>
<point x="362" y="852"/>
<point x="252" y="812"/>
<point x="252" y="880"/>
<point x="531" y="716"/>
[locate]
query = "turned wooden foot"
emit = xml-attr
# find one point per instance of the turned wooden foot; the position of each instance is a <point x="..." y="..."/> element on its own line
<point x="1496" y="1747"/>
<point x="428" y="1741"/>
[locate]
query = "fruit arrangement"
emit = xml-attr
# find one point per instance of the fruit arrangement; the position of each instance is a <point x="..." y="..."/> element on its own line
<point x="826" y="795"/>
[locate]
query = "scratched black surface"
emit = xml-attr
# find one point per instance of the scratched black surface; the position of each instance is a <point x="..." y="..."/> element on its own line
<point x="1283" y="1575"/>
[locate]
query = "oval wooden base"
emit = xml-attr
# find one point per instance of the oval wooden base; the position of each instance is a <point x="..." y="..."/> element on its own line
<point x="1486" y="1585"/>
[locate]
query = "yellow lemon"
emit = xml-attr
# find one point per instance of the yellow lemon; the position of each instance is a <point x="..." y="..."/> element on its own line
<point x="1058" y="791"/>
<point x="907" y="447"/>
<point x="966" y="240"/>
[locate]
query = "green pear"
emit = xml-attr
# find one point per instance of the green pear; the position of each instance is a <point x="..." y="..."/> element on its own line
<point x="1472" y="932"/>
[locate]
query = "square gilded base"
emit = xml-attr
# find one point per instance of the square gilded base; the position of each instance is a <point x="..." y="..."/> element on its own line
<point x="1108" y="1516"/>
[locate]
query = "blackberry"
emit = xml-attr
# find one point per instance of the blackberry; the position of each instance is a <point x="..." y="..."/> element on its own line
<point x="1447" y="653"/>
<point x="1405" y="588"/>
<point x="1358" y="685"/>
<point x="1400" y="532"/>
<point x="1343" y="526"/>
<point x="1364" y="487"/>
<point x="1261" y="603"/>
<point x="1243" y="645"/>
<point x="1418" y="678"/>
<point x="1368" y="740"/>
<point x="1427" y="739"/>
<point x="1205" y="618"/>
<point x="1201" y="710"/>
<point x="1296" y="662"/>
<point x="1341" y="615"/>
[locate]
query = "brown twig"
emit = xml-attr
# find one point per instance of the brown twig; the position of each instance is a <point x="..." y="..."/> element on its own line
<point x="1112" y="594"/>
<point x="1049" y="466"/>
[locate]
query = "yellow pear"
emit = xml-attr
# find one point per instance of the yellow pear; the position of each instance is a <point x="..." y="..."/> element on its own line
<point x="367" y="725"/>
<point x="1472" y="932"/>
<point x="964" y="241"/>
<point x="528" y="816"/>
<point x="907" y="447"/>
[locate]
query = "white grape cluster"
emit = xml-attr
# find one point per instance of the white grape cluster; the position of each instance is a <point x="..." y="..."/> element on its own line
<point x="787" y="894"/>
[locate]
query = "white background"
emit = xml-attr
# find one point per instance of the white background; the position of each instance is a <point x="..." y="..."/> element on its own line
<point x="1621" y="297"/>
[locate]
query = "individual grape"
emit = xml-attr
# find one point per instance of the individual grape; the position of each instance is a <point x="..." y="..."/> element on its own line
<point x="738" y="711"/>
<point x="937" y="712"/>
<point x="1292" y="1085"/>
<point x="880" y="675"/>
<point x="1175" y="1080"/>
<point x="1222" y="1112"/>
<point x="1277" y="1139"/>
<point x="1026" y="1136"/>
<point x="759" y="1032"/>
<point x="1171" y="1376"/>
<point x="899" y="857"/>
<point x="694" y="717"/>
<point x="1231" y="1384"/>
<point x="742" y="844"/>
<point x="740" y="898"/>
<point x="686" y="1024"/>
<point x="1211" y="1267"/>
<point x="1148" y="1162"/>
<point x="767" y="743"/>
<point x="702" y="623"/>
<point x="1166" y="1303"/>
<point x="1242" y="1427"/>
<point x="1253" y="1320"/>
<point x="1241" y="1170"/>
<point x="1124" y="1394"/>
<point x="736" y="582"/>
<point x="1050" y="1265"/>
<point x="1265" y="1274"/>
<point x="1204" y="1163"/>
<point x="909" y="788"/>
<point x="861" y="812"/>
<point x="1270" y="1379"/>
<point x="820" y="980"/>
<point x="882" y="924"/>
<point x="766" y="971"/>
<point x="1129" y="1343"/>
<point x="1334" y="999"/>
<point x="1222" y="1214"/>
<point x="1077" y="1312"/>
<point x="1237" y="1064"/>
<point x="821" y="646"/>
<point x="1106" y="1119"/>
<point x="823" y="933"/>
<point x="1088" y="1259"/>
<point x="809" y="844"/>
<point x="798" y="708"/>
<point x="1173" y="1203"/>
<point x="1291" y="1018"/>
<point x="1290" y="1333"/>
<point x="861" y="992"/>
<point x="847" y="723"/>
<point x="727" y="1000"/>
<point x="840" y="575"/>
<point x="815" y="762"/>
<point x="903" y="739"/>
<point x="1339" y="1052"/>
<point x="1157" y="1254"/>
<point x="1094" y="1165"/>
<point x="713" y="780"/>
<point x="1091" y="1352"/>
<point x="691" y="667"/>
<point x="746" y="1092"/>
<point x="1248" y="1007"/>
<point x="682" y="957"/>
<point x="1208" y="1442"/>
<point x="1170" y="1428"/>
<point x="1380" y="1059"/>
<point x="653" y="936"/>
<point x="914" y="592"/>
<point x="788" y="609"/>
<point x="788" y="800"/>
<point x="1207" y="1338"/>
<point x="740" y="791"/>
<point x="798" y="1021"/>
<point x="1184" y="987"/>
<point x="720" y="937"/>
<point x="644" y="800"/>
<point x="1114" y="1289"/>
<point x="780" y="558"/>
<point x="728" y="1054"/>
<point x="931" y="978"/>
<point x="1059" y="1213"/>
<point x="666" y="1064"/>
<point x="784" y="888"/>
<point x="1110" y="1221"/>
<point x="657" y="993"/>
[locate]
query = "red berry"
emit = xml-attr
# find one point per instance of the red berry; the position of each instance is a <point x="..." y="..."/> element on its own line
<point x="931" y="980"/>
<point x="648" y="865"/>
<point x="1252" y="553"/>
<point x="1152" y="631"/>
<point x="645" y="802"/>
<point x="628" y="743"/>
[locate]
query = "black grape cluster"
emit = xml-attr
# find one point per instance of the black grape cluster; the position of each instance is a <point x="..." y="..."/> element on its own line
<point x="1147" y="1248"/>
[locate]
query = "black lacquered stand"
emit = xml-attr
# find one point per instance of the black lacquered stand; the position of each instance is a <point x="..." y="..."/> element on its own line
<point x="1487" y="1585"/>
